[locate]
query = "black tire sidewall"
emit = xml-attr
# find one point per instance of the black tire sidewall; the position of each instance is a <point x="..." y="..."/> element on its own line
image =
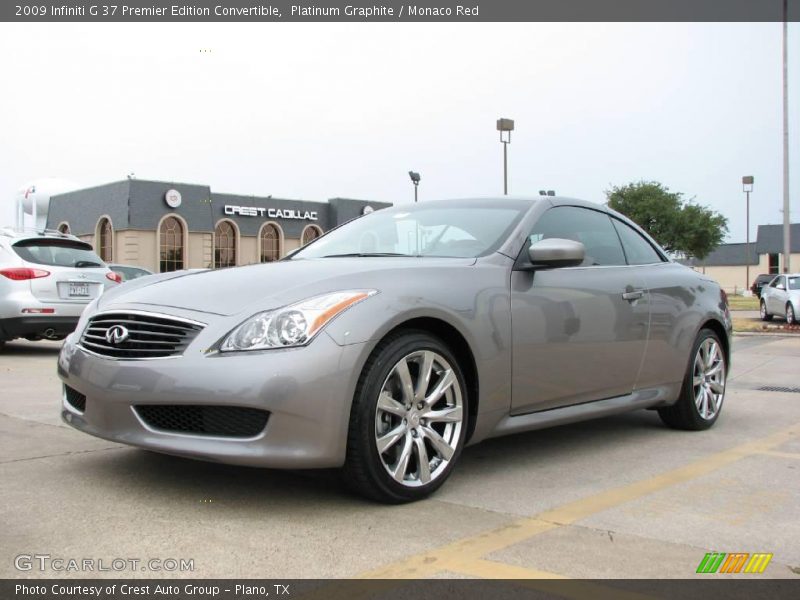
<point x="386" y="357"/>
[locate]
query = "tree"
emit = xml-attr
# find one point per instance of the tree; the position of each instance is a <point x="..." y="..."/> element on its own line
<point x="680" y="226"/>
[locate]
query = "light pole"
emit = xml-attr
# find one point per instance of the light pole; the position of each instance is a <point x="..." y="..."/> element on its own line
<point x="747" y="186"/>
<point x="505" y="127"/>
<point x="415" y="180"/>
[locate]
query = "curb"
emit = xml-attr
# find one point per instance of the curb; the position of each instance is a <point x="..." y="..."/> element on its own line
<point x="768" y="333"/>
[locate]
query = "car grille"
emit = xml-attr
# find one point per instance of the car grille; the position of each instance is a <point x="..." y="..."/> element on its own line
<point x="75" y="399"/>
<point x="222" y="421"/>
<point x="149" y="336"/>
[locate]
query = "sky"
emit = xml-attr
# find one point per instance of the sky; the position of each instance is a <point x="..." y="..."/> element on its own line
<point x="320" y="110"/>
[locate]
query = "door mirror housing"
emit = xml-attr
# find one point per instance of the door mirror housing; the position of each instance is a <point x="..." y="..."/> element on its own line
<point x="554" y="253"/>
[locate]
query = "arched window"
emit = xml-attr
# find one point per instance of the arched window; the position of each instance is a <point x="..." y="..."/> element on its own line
<point x="270" y="243"/>
<point x="105" y="237"/>
<point x="171" y="245"/>
<point x="224" y="245"/>
<point x="310" y="233"/>
<point x="63" y="227"/>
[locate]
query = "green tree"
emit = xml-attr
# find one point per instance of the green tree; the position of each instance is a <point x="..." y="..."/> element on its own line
<point x="680" y="226"/>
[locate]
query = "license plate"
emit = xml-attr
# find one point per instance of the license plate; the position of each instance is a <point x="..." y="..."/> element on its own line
<point x="79" y="290"/>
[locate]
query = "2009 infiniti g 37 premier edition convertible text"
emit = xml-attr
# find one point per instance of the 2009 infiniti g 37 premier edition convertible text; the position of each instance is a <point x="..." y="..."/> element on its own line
<point x="388" y="344"/>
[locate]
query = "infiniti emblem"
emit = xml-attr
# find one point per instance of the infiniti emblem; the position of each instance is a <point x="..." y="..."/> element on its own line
<point x="117" y="334"/>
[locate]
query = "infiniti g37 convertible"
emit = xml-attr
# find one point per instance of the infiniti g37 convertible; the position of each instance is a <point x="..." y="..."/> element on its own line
<point x="388" y="344"/>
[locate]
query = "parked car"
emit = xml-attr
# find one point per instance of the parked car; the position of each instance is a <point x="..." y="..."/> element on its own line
<point x="781" y="297"/>
<point x="759" y="282"/>
<point x="46" y="280"/>
<point x="128" y="272"/>
<point x="391" y="342"/>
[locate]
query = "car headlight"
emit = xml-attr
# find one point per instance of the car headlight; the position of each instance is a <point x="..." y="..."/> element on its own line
<point x="293" y="325"/>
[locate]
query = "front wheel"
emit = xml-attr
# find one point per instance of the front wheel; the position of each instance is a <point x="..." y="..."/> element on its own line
<point x="765" y="316"/>
<point x="408" y="420"/>
<point x="791" y="318"/>
<point x="703" y="390"/>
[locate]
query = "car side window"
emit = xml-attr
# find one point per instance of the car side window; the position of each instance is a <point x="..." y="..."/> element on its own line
<point x="590" y="227"/>
<point x="638" y="250"/>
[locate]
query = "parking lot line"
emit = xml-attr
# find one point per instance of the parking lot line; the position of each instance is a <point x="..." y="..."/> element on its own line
<point x="460" y="554"/>
<point x="779" y="454"/>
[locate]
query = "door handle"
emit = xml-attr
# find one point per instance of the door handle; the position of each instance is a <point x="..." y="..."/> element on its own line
<point x="633" y="295"/>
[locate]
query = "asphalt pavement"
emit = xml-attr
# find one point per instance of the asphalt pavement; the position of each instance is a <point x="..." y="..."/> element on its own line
<point x="621" y="497"/>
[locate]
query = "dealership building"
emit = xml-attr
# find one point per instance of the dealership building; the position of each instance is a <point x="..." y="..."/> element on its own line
<point x="165" y="226"/>
<point x="728" y="262"/>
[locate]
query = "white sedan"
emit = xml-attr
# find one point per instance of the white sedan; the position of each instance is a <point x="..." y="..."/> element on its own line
<point x="781" y="298"/>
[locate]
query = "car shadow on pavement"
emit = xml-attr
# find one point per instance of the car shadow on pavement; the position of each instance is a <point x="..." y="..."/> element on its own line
<point x="22" y="348"/>
<point x="290" y="492"/>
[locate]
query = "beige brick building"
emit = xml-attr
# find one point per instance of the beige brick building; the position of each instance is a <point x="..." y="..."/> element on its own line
<point x="166" y="226"/>
<point x="728" y="263"/>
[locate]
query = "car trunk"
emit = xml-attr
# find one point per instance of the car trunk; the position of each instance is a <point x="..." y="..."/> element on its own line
<point x="76" y="273"/>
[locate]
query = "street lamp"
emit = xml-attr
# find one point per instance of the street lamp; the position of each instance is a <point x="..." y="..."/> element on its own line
<point x="505" y="127"/>
<point x="415" y="180"/>
<point x="747" y="186"/>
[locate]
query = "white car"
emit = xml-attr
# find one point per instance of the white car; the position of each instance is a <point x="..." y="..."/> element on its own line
<point x="781" y="298"/>
<point x="46" y="280"/>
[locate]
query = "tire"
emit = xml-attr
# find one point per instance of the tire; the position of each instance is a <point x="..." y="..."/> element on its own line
<point x="396" y="474"/>
<point x="765" y="316"/>
<point x="692" y="411"/>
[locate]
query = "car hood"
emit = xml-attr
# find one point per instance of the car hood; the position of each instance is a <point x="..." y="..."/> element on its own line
<point x="266" y="286"/>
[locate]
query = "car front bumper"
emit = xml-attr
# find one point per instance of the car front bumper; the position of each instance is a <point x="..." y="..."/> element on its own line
<point x="307" y="392"/>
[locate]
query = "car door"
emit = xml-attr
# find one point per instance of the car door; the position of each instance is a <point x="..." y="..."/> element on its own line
<point x="579" y="333"/>
<point x="776" y="299"/>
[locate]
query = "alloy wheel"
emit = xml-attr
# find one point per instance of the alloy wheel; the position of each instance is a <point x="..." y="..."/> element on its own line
<point x="708" y="378"/>
<point x="790" y="318"/>
<point x="418" y="420"/>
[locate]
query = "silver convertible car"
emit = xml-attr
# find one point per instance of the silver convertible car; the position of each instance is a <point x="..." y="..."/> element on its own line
<point x="388" y="344"/>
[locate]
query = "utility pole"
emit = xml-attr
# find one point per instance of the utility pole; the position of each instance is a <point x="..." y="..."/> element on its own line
<point x="787" y="243"/>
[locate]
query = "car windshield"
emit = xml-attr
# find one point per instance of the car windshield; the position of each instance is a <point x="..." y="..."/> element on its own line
<point x="419" y="230"/>
<point x="58" y="253"/>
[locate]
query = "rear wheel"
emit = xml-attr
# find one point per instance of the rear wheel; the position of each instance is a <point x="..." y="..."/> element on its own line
<point x="703" y="389"/>
<point x="765" y="316"/>
<point x="791" y="318"/>
<point x="408" y="421"/>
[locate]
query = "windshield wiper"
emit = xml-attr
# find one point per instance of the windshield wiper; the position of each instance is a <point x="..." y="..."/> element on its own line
<point x="365" y="254"/>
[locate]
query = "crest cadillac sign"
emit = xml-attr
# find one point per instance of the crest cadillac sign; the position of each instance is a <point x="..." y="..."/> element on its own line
<point x="272" y="213"/>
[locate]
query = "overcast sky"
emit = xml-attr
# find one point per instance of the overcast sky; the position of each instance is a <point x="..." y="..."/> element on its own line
<point x="313" y="111"/>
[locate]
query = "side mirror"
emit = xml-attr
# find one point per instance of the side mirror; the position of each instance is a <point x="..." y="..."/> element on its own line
<point x="552" y="253"/>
